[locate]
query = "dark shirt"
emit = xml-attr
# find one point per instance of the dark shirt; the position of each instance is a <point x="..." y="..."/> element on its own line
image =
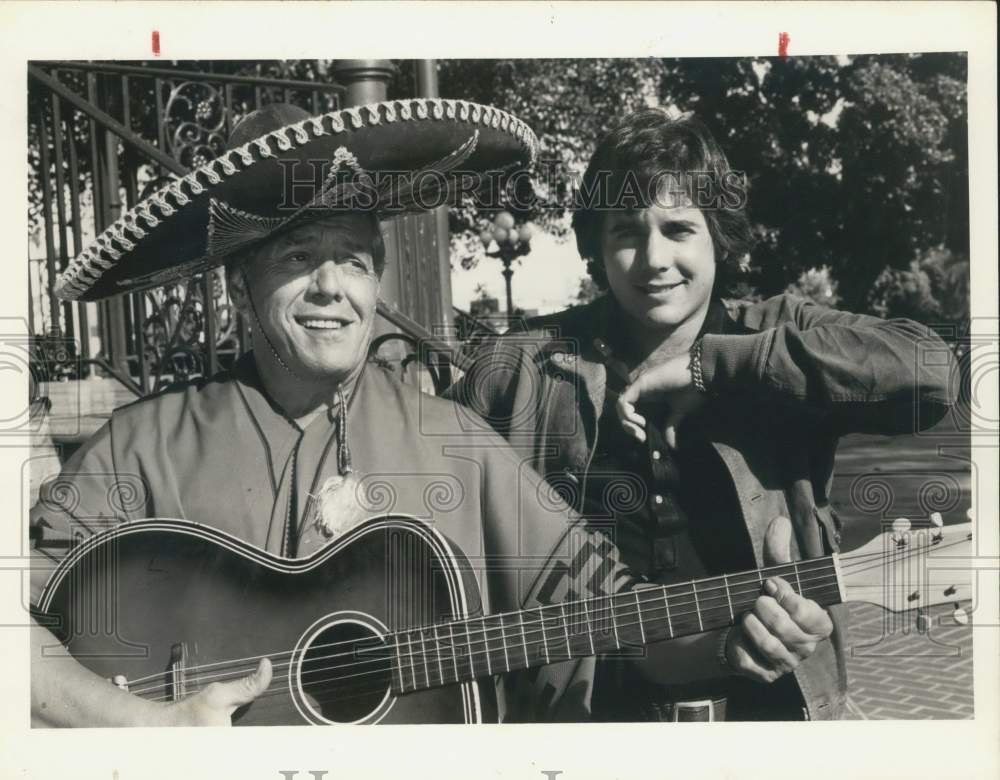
<point x="787" y="378"/>
<point x="674" y="517"/>
<point x="680" y="521"/>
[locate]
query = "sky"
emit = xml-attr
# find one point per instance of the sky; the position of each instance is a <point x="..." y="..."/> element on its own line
<point x="546" y="279"/>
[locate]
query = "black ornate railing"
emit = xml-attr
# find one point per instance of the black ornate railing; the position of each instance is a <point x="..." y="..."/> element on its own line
<point x="104" y="135"/>
<point x="101" y="135"/>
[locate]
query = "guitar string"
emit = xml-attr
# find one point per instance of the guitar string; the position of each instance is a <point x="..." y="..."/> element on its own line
<point x="535" y="627"/>
<point x="657" y="591"/>
<point x="442" y="680"/>
<point x="657" y="594"/>
<point x="387" y="670"/>
<point x="660" y="590"/>
<point x="435" y="658"/>
<point x="679" y="616"/>
<point x="373" y="682"/>
<point x="701" y="597"/>
<point x="380" y="688"/>
<point x="364" y="686"/>
<point x="648" y="595"/>
<point x="473" y="638"/>
<point x="733" y="580"/>
<point x="345" y="692"/>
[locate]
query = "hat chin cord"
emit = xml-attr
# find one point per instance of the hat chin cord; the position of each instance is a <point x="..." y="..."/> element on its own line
<point x="343" y="450"/>
<point x="260" y="329"/>
<point x="341" y="401"/>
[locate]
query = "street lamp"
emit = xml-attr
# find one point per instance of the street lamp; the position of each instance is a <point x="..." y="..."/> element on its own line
<point x="512" y="241"/>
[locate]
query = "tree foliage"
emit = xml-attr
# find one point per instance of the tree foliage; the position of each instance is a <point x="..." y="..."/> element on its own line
<point x="933" y="288"/>
<point x="858" y="165"/>
<point x="568" y="103"/>
<point x="817" y="285"/>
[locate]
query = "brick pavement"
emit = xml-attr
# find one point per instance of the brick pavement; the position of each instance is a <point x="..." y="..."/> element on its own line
<point x="895" y="672"/>
<point x="906" y="674"/>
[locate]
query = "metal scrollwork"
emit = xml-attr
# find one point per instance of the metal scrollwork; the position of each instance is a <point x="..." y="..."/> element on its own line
<point x="195" y="118"/>
<point x="174" y="333"/>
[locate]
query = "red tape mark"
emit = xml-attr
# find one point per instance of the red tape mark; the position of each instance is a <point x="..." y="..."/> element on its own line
<point x="156" y="42"/>
<point x="783" y="40"/>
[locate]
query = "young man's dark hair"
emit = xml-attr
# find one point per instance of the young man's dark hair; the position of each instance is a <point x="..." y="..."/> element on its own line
<point x="647" y="154"/>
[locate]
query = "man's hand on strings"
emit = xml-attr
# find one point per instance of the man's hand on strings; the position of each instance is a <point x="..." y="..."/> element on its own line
<point x="216" y="703"/>
<point x="783" y="628"/>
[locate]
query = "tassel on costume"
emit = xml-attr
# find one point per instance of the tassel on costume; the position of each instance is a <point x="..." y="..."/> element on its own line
<point x="336" y="508"/>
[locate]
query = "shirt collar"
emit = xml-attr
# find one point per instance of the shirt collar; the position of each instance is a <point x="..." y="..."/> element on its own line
<point x="263" y="406"/>
<point x="717" y="320"/>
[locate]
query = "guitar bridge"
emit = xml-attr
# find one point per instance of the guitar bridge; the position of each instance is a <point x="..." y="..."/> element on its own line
<point x="177" y="671"/>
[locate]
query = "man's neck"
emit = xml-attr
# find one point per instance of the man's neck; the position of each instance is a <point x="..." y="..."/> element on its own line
<point x="297" y="398"/>
<point x="646" y="344"/>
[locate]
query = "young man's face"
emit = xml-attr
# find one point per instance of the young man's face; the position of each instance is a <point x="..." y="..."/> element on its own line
<point x="314" y="290"/>
<point x="660" y="262"/>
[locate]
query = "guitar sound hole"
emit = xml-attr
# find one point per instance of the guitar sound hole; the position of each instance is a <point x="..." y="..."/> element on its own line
<point x="345" y="672"/>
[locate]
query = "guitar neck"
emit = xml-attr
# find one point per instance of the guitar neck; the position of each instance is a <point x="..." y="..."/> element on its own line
<point x="472" y="648"/>
<point x="900" y="570"/>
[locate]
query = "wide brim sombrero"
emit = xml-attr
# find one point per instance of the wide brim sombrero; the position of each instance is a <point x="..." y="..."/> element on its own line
<point x="282" y="165"/>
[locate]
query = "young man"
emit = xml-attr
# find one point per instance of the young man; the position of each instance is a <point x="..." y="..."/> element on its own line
<point x="302" y="439"/>
<point x="702" y="442"/>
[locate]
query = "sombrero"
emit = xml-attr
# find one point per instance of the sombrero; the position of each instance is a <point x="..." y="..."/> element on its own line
<point x="283" y="165"/>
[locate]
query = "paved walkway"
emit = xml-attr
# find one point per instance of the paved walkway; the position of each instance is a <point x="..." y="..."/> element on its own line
<point x="895" y="672"/>
<point x="80" y="408"/>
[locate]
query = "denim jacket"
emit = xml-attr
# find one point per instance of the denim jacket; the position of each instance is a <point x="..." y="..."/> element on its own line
<point x="786" y="379"/>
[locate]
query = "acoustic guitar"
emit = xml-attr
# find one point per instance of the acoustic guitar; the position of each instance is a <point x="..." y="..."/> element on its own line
<point x="385" y="624"/>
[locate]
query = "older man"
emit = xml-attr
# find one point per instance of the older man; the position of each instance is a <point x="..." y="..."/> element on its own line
<point x="278" y="451"/>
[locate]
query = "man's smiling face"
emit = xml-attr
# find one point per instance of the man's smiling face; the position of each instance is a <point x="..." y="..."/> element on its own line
<point x="314" y="291"/>
<point x="659" y="261"/>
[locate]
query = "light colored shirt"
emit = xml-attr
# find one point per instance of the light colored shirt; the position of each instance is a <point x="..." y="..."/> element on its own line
<point x="220" y="453"/>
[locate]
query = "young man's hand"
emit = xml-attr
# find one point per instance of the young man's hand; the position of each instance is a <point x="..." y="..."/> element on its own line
<point x="783" y="628"/>
<point x="670" y="381"/>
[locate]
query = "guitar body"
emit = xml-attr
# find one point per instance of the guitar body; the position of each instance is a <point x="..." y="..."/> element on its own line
<point x="385" y="624"/>
<point x="173" y="606"/>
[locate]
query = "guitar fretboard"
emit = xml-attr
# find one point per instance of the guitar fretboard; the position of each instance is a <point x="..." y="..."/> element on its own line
<point x="472" y="648"/>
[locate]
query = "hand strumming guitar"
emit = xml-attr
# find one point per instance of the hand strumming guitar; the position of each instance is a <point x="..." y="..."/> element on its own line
<point x="215" y="705"/>
<point x="65" y="694"/>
